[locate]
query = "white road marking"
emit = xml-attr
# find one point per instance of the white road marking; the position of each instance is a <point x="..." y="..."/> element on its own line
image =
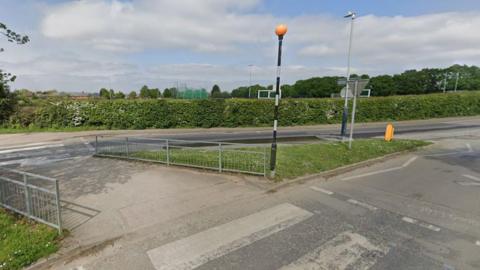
<point x="408" y="162"/>
<point x="469" y="147"/>
<point x="371" y="173"/>
<point x="321" y="190"/>
<point x="87" y="143"/>
<point x="362" y="204"/>
<point x="197" y="249"/>
<point x="404" y="165"/>
<point x="468" y="184"/>
<point x="477" y="243"/>
<point x="30" y="148"/>
<point x="471" y="177"/>
<point x="345" y="251"/>
<point x="421" y="224"/>
<point x="24" y="145"/>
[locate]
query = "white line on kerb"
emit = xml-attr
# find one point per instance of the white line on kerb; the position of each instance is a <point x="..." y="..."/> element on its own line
<point x="328" y="192"/>
<point x="362" y="204"/>
<point x="421" y="224"/>
<point x="471" y="177"/>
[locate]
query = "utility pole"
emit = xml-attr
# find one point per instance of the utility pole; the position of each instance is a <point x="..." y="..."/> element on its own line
<point x="281" y="30"/>
<point x="343" y="132"/>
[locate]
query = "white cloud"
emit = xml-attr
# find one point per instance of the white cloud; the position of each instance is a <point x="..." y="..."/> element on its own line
<point x="434" y="39"/>
<point x="84" y="45"/>
<point x="208" y="25"/>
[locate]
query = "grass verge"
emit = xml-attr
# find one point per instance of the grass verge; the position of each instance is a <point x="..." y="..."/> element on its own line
<point x="300" y="160"/>
<point x="23" y="242"/>
<point x="292" y="160"/>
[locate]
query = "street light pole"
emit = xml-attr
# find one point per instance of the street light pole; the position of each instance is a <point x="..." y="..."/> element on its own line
<point x="281" y="30"/>
<point x="250" y="81"/>
<point x="343" y="132"/>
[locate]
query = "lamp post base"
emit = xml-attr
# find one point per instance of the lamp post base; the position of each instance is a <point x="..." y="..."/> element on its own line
<point x="343" y="131"/>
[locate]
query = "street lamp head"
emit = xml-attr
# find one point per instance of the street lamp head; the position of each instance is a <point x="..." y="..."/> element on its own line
<point x="351" y="14"/>
<point x="281" y="30"/>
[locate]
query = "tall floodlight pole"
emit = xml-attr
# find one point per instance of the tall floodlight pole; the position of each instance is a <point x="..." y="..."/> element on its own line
<point x="281" y="30"/>
<point x="250" y="81"/>
<point x="456" y="81"/>
<point x="445" y="84"/>
<point x="343" y="132"/>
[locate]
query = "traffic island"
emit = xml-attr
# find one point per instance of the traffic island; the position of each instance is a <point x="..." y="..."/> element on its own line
<point x="296" y="161"/>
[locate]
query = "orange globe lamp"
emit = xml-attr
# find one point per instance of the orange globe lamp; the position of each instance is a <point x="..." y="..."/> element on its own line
<point x="281" y="30"/>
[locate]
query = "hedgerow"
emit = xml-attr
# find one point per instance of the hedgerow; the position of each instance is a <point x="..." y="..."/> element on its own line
<point x="141" y="114"/>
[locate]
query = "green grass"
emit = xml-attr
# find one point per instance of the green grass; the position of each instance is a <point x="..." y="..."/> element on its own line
<point x="300" y="160"/>
<point x="292" y="160"/>
<point x="23" y="242"/>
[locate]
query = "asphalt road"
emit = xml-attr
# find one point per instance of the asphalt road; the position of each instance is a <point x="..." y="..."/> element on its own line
<point x="28" y="154"/>
<point x="417" y="211"/>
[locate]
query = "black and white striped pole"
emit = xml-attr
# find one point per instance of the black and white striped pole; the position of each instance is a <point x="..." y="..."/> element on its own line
<point x="281" y="30"/>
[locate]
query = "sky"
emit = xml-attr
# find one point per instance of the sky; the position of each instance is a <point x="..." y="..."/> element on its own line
<point x="84" y="45"/>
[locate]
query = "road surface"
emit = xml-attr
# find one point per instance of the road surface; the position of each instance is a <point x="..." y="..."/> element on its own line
<point x="416" y="211"/>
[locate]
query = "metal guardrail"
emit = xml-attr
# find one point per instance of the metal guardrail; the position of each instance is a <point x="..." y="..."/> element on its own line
<point x="219" y="156"/>
<point x="34" y="196"/>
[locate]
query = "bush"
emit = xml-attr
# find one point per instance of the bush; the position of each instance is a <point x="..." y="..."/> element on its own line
<point x="140" y="114"/>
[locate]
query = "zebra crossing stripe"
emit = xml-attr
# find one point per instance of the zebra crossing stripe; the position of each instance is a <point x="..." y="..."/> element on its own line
<point x="197" y="249"/>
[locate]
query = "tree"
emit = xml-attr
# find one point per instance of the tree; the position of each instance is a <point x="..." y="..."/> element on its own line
<point x="104" y="93"/>
<point x="144" y="92"/>
<point x="167" y="93"/>
<point x="383" y="85"/>
<point x="132" y="95"/>
<point x="8" y="100"/>
<point x="119" y="95"/>
<point x="155" y="93"/>
<point x="216" y="92"/>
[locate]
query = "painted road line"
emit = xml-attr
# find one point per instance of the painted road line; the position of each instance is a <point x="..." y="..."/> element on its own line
<point x="469" y="147"/>
<point x="471" y="177"/>
<point x="197" y="249"/>
<point x="468" y="184"/>
<point x="321" y="190"/>
<point x="421" y="224"/>
<point x="30" y="148"/>
<point x="404" y="165"/>
<point x="477" y="243"/>
<point x="87" y="144"/>
<point x="410" y="161"/>
<point x="345" y="251"/>
<point x="25" y="145"/>
<point x="371" y="173"/>
<point x="362" y="204"/>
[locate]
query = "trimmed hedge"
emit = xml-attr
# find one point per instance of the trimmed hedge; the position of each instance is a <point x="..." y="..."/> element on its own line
<point x="141" y="114"/>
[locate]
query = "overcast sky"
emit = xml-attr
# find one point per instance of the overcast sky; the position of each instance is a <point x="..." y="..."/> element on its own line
<point x="88" y="44"/>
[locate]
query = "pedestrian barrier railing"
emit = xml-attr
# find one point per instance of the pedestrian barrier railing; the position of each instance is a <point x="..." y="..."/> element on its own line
<point x="34" y="196"/>
<point x="219" y="156"/>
